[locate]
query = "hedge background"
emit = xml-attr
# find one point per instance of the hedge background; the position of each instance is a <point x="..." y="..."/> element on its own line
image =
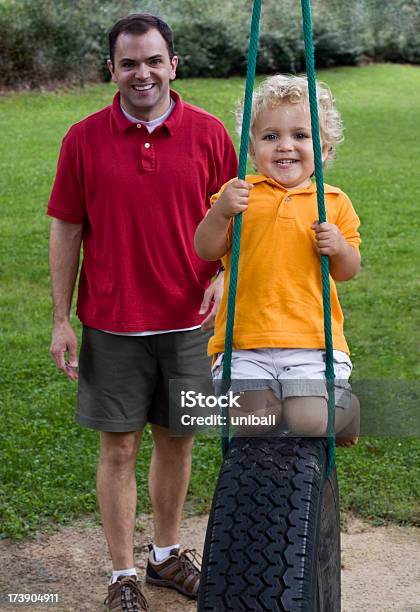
<point x="65" y="40"/>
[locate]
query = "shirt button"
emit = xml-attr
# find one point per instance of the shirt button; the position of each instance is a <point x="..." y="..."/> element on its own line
<point x="147" y="145"/>
<point x="288" y="199"/>
<point x="139" y="125"/>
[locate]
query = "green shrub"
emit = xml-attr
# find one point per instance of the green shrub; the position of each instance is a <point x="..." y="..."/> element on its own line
<point x="397" y="26"/>
<point x="208" y="49"/>
<point x="55" y="39"/>
<point x="66" y="40"/>
<point x="276" y="54"/>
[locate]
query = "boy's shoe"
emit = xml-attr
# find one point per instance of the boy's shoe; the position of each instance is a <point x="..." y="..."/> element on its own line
<point x="125" y="595"/>
<point x="179" y="571"/>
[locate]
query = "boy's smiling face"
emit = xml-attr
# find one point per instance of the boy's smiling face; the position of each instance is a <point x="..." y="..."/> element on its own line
<point x="283" y="145"/>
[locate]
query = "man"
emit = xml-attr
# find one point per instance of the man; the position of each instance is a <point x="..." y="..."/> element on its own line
<point x="133" y="182"/>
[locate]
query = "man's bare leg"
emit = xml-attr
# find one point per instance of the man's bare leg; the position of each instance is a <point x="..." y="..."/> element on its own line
<point x="169" y="476"/>
<point x="117" y="494"/>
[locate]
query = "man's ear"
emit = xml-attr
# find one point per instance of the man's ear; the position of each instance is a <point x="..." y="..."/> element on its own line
<point x="174" y="65"/>
<point x="111" y="69"/>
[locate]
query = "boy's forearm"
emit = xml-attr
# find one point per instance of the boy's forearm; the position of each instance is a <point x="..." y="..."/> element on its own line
<point x="346" y="264"/>
<point x="210" y="239"/>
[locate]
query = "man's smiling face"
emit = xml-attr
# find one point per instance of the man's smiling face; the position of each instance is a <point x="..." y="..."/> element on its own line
<point x="143" y="70"/>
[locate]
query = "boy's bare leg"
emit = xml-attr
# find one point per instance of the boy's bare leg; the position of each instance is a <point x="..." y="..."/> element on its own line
<point x="169" y="477"/>
<point x="261" y="403"/>
<point x="308" y="416"/>
<point x="349" y="434"/>
<point x="117" y="494"/>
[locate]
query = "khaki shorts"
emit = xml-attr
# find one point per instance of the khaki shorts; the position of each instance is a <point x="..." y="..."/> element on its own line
<point x="287" y="372"/>
<point x="124" y="380"/>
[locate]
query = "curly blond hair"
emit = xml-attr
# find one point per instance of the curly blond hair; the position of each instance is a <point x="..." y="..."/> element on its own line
<point x="279" y="89"/>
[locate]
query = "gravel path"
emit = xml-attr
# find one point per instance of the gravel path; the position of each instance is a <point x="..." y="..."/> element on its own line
<point x="380" y="568"/>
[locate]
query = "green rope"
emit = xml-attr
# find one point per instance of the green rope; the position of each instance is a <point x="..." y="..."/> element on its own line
<point x="322" y="217"/>
<point x="237" y="225"/>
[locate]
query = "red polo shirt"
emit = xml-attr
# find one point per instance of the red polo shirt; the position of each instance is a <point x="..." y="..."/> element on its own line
<point x="140" y="197"/>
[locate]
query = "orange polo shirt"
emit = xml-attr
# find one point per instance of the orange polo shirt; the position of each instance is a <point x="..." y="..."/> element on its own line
<point x="279" y="293"/>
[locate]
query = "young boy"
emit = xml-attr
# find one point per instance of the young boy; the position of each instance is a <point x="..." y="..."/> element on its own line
<point x="278" y="361"/>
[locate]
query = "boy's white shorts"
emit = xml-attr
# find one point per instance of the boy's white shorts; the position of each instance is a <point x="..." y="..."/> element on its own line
<point x="287" y="372"/>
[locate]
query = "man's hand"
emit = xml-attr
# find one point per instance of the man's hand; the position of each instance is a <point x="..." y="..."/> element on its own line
<point x="329" y="239"/>
<point x="212" y="296"/>
<point x="234" y="199"/>
<point x="64" y="341"/>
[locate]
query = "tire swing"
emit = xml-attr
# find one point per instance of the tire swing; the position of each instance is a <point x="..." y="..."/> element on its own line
<point x="273" y="537"/>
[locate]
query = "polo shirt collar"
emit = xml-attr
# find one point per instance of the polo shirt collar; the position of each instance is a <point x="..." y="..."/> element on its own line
<point x="260" y="178"/>
<point x="171" y="124"/>
<point x="174" y="120"/>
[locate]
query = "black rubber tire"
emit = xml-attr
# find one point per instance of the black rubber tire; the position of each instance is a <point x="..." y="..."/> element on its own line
<point x="273" y="537"/>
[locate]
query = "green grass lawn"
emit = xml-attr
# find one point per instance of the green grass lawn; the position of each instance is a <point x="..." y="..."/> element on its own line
<point x="47" y="464"/>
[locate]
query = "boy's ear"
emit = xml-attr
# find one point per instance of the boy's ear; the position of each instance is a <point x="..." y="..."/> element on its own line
<point x="251" y="151"/>
<point x="324" y="152"/>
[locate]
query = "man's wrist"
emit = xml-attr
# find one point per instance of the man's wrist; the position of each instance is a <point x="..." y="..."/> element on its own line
<point x="60" y="319"/>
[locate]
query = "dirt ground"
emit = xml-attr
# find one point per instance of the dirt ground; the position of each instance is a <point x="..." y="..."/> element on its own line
<point x="380" y="568"/>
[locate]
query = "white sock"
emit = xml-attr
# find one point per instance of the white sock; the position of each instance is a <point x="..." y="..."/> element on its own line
<point x="125" y="572"/>
<point x="162" y="552"/>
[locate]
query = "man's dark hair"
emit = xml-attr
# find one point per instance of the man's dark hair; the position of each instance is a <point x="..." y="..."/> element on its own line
<point x="139" y="23"/>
